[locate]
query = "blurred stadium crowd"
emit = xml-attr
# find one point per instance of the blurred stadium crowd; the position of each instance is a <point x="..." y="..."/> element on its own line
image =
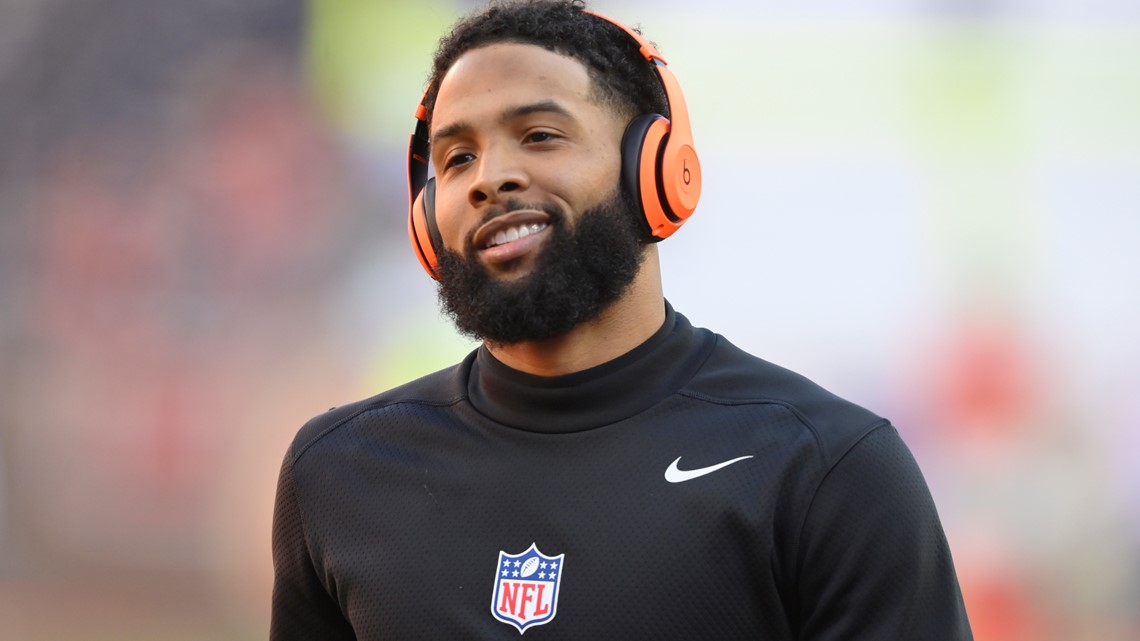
<point x="202" y="245"/>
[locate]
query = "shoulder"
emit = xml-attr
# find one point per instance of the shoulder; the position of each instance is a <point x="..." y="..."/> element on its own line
<point x="731" y="376"/>
<point x="439" y="389"/>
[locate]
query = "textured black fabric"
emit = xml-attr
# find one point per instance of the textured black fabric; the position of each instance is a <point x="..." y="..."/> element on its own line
<point x="392" y="512"/>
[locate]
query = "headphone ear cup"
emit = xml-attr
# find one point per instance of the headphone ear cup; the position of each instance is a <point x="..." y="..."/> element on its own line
<point x="422" y="231"/>
<point x="641" y="172"/>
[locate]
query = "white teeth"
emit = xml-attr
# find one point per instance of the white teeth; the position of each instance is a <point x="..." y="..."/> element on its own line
<point x="515" y="233"/>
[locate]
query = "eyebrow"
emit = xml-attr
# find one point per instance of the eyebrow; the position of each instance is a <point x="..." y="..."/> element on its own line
<point x="545" y="106"/>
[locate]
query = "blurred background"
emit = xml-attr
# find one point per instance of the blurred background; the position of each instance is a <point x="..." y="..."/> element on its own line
<point x="931" y="207"/>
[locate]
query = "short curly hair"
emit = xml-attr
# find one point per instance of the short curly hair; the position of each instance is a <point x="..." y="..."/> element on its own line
<point x="620" y="76"/>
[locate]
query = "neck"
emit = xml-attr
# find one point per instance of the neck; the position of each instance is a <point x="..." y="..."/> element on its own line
<point x="622" y="326"/>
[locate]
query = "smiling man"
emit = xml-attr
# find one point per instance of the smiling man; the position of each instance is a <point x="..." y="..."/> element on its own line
<point x="538" y="242"/>
<point x="599" y="468"/>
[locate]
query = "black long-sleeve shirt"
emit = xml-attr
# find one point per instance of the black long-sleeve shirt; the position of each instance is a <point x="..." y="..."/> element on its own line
<point x="480" y="502"/>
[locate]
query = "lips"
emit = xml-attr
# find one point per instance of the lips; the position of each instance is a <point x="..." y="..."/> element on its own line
<point x="505" y="239"/>
<point x="512" y="234"/>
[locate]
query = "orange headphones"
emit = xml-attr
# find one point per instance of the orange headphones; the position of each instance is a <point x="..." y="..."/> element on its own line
<point x="660" y="167"/>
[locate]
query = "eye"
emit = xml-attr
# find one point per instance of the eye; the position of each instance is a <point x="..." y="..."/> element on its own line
<point x="456" y="160"/>
<point x="540" y="136"/>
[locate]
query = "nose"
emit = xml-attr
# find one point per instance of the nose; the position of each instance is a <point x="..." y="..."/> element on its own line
<point x="500" y="173"/>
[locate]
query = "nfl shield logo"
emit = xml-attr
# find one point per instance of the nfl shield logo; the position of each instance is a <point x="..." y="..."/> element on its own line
<point x="526" y="588"/>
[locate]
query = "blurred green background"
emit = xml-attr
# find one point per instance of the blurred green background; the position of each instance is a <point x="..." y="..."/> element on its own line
<point x="931" y="207"/>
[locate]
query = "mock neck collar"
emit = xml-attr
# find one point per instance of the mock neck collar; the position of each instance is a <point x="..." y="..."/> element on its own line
<point x="600" y="395"/>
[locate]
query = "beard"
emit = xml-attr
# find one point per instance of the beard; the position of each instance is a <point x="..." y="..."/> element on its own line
<point x="580" y="271"/>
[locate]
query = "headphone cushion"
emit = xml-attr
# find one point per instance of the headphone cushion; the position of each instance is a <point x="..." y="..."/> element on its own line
<point x="642" y="148"/>
<point x="422" y="230"/>
<point x="639" y="149"/>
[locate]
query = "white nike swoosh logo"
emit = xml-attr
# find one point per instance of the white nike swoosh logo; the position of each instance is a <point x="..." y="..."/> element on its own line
<point x="677" y="475"/>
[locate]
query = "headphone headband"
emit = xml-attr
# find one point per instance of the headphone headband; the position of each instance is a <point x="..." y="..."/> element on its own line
<point x="647" y="49"/>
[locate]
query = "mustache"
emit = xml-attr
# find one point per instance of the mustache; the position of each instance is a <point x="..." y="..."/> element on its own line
<point x="516" y="204"/>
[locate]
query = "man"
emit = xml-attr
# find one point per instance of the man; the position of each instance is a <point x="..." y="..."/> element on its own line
<point x="598" y="468"/>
